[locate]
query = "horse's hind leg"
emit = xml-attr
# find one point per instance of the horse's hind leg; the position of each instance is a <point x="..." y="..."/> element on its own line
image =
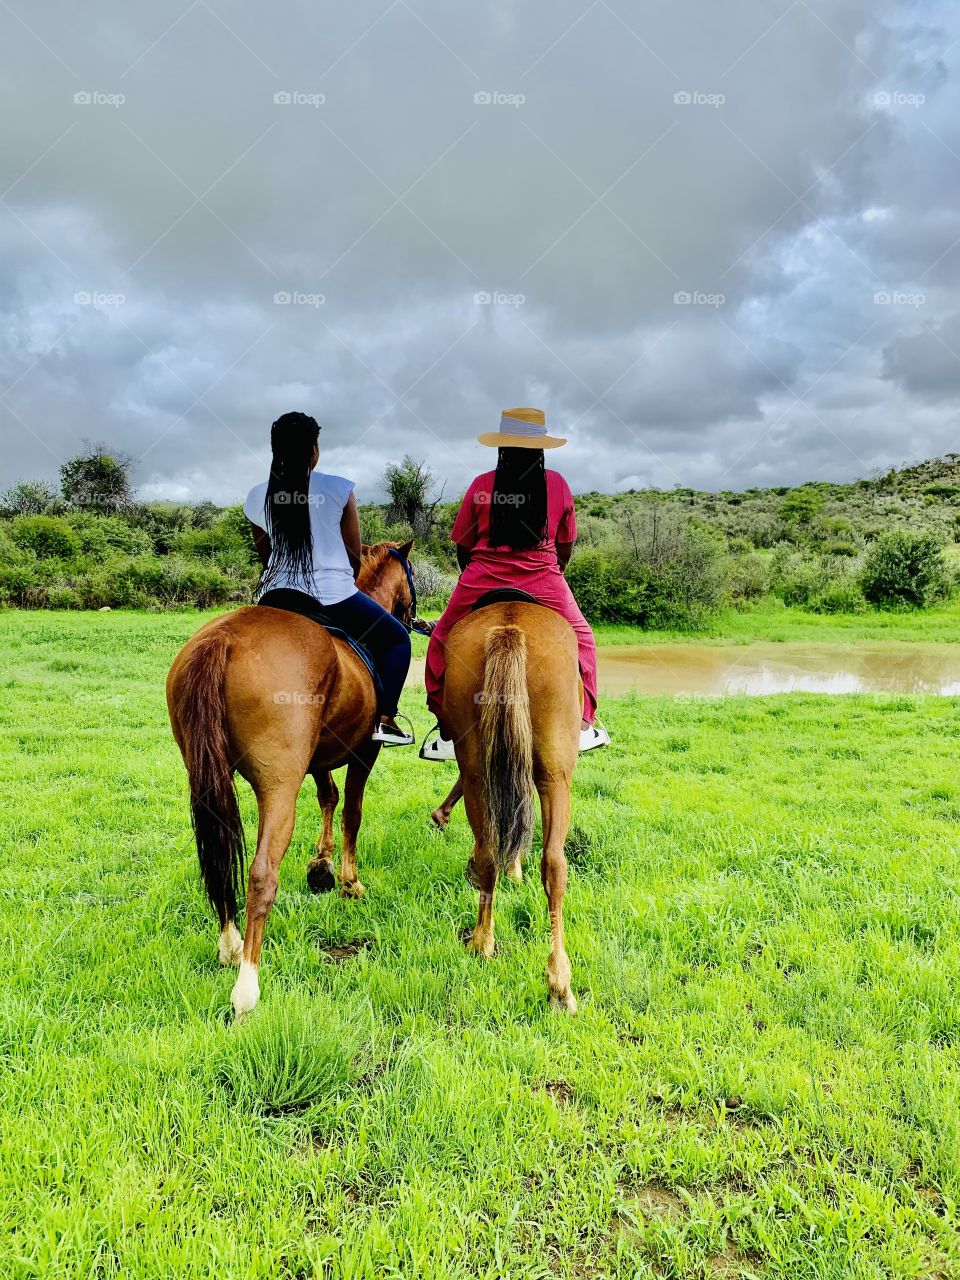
<point x="555" y="808"/>
<point x="441" y="816"/>
<point x="321" y="873"/>
<point x="358" y="771"/>
<point x="277" y="815"/>
<point x="481" y="871"/>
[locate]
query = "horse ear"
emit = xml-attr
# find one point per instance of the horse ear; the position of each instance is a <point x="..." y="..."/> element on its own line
<point x="406" y="549"/>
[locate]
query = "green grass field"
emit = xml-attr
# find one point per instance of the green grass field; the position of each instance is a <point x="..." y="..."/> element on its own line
<point x="763" y="1079"/>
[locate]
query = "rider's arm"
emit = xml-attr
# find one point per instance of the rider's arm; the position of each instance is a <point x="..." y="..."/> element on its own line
<point x="350" y="529"/>
<point x="564" y="552"/>
<point x="261" y="542"/>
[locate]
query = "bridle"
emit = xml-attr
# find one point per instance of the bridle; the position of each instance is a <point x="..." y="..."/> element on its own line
<point x="398" y="609"/>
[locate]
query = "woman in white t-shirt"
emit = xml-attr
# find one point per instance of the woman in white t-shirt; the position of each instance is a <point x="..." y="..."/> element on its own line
<point x="307" y="532"/>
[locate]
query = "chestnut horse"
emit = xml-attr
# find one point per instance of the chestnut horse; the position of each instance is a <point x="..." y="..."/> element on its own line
<point x="272" y="696"/>
<point x="512" y="702"/>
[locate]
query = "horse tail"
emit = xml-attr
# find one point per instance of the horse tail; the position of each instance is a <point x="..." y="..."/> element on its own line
<point x="506" y="744"/>
<point x="201" y="707"/>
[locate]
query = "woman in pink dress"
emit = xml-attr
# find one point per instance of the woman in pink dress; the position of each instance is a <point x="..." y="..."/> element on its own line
<point x="516" y="529"/>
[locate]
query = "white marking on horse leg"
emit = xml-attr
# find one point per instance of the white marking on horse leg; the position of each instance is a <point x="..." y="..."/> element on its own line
<point x="246" y="991"/>
<point x="230" y="948"/>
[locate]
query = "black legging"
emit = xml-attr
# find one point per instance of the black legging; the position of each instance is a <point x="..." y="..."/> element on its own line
<point x="365" y="620"/>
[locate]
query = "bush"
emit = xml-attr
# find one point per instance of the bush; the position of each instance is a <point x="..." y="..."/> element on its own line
<point x="750" y="576"/>
<point x="31" y="498"/>
<point x="103" y="535"/>
<point x="904" y="568"/>
<point x="162" y="522"/>
<point x="45" y="536"/>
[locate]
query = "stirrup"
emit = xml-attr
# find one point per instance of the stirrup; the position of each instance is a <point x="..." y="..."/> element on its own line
<point x="439" y="749"/>
<point x="388" y="738"/>
<point x="595" y="735"/>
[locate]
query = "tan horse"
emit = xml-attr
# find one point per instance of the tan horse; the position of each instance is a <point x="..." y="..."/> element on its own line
<point x="513" y="701"/>
<point x="272" y="696"/>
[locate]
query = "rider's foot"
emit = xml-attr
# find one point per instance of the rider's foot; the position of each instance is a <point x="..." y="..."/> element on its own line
<point x="440" y="748"/>
<point x="593" y="735"/>
<point x="389" y="733"/>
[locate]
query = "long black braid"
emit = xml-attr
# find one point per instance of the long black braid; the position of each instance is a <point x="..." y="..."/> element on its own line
<point x="518" y="517"/>
<point x="292" y="438"/>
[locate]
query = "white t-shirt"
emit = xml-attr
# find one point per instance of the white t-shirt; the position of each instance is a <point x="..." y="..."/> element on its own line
<point x="332" y="577"/>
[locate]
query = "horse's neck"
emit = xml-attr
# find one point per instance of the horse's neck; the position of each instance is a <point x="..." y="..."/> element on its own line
<point x="369" y="582"/>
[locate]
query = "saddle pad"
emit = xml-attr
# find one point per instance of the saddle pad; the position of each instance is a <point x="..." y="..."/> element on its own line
<point x="307" y="607"/>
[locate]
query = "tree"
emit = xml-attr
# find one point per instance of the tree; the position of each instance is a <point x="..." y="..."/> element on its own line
<point x="411" y="484"/>
<point x="801" y="506"/>
<point x="30" y="498"/>
<point x="97" y="478"/>
<point x="904" y="568"/>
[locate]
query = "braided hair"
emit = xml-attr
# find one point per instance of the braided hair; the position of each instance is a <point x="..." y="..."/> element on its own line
<point x="518" y="515"/>
<point x="293" y="438"/>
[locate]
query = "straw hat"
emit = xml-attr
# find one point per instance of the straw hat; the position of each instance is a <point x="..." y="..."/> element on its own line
<point x="521" y="429"/>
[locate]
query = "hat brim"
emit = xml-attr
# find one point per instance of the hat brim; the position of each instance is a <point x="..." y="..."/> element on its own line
<point x="498" y="440"/>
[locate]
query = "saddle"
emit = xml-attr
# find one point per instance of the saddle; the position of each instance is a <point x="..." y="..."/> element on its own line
<point x="307" y="607"/>
<point x="505" y="595"/>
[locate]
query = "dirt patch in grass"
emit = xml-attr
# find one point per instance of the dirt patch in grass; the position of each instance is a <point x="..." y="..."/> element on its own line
<point x="731" y="1265"/>
<point x="342" y="952"/>
<point x="657" y="1200"/>
<point x="559" y="1090"/>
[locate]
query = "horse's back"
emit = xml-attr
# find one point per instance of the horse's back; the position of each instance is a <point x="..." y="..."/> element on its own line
<point x="552" y="666"/>
<point x="289" y="685"/>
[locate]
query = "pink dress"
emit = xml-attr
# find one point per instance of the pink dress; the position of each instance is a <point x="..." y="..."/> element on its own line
<point x="491" y="568"/>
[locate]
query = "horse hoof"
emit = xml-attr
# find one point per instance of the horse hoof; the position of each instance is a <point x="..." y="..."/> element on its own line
<point x="484" y="947"/>
<point x="321" y="877"/>
<point x="440" y="819"/>
<point x="352" y="889"/>
<point x="246" y="991"/>
<point x="565" y="1003"/>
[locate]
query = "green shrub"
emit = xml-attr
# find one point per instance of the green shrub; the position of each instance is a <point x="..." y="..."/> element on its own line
<point x="45" y="536"/>
<point x="103" y="535"/>
<point x="161" y="521"/>
<point x="749" y="576"/>
<point x="904" y="568"/>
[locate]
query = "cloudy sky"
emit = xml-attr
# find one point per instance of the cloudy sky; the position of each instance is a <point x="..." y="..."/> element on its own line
<point x="720" y="244"/>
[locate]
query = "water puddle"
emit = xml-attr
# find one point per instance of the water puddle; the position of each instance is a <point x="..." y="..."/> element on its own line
<point x="711" y="671"/>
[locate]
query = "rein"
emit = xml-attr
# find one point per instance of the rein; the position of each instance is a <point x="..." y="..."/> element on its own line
<point x="408" y="570"/>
